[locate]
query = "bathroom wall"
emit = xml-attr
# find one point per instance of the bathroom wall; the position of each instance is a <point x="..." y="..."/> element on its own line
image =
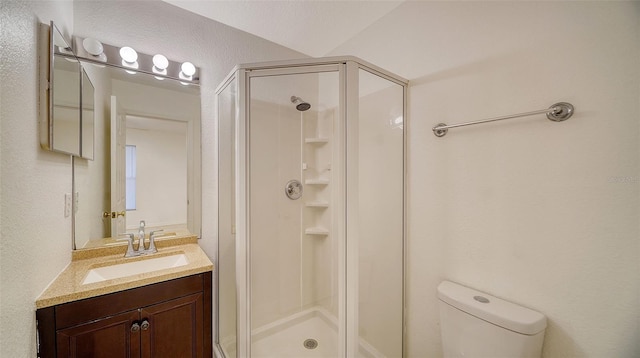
<point x="35" y="237"/>
<point x="544" y="214"/>
<point x="35" y="243"/>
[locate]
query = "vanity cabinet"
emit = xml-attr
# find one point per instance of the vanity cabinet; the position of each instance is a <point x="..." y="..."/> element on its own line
<point x="167" y="319"/>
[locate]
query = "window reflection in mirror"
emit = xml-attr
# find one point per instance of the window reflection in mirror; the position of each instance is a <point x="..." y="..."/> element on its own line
<point x="161" y="118"/>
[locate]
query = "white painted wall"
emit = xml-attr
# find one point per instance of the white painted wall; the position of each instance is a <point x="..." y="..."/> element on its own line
<point x="35" y="237"/>
<point x="540" y="213"/>
<point x="35" y="241"/>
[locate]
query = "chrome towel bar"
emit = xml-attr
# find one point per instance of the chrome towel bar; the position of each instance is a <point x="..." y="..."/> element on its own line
<point x="558" y="112"/>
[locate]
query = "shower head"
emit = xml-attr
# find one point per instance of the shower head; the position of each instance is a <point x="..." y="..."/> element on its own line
<point x="301" y="105"/>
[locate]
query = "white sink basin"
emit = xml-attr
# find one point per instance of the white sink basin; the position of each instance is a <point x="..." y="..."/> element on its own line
<point x="134" y="268"/>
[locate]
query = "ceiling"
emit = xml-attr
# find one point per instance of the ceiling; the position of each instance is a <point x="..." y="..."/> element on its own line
<point x="312" y="27"/>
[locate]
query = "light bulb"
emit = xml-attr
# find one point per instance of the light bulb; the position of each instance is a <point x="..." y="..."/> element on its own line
<point x="128" y="54"/>
<point x="160" y="62"/>
<point x="93" y="46"/>
<point x="188" y="69"/>
<point x="133" y="65"/>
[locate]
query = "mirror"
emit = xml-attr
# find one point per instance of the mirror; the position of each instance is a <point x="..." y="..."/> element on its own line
<point x="146" y="158"/>
<point x="66" y="107"/>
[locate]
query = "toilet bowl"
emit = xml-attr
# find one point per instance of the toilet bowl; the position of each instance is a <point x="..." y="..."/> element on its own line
<point x="475" y="324"/>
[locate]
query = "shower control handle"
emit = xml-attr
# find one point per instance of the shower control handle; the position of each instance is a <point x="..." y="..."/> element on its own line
<point x="293" y="189"/>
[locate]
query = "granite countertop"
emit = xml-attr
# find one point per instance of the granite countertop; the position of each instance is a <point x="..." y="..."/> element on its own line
<point x="68" y="285"/>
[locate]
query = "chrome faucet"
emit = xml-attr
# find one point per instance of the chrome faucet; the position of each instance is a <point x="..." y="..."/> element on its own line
<point x="141" y="235"/>
<point x="152" y="242"/>
<point x="141" y="250"/>
<point x="131" y="252"/>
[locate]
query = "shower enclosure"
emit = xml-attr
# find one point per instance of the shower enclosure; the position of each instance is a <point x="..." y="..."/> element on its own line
<point x="311" y="217"/>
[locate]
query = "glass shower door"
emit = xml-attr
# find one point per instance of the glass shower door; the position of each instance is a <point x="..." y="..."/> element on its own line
<point x="226" y="319"/>
<point x="294" y="241"/>
<point x="375" y="216"/>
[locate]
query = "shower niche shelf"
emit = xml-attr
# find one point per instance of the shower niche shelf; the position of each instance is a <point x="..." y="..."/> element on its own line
<point x="317" y="181"/>
<point x="316" y="231"/>
<point x="316" y="140"/>
<point x="317" y="204"/>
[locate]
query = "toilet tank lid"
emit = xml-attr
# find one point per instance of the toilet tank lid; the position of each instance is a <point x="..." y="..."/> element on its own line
<point x="497" y="311"/>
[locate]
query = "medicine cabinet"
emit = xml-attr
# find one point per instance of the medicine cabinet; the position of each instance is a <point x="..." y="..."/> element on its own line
<point x="66" y="103"/>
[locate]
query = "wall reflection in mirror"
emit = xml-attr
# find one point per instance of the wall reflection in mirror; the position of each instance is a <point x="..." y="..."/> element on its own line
<point x="158" y="120"/>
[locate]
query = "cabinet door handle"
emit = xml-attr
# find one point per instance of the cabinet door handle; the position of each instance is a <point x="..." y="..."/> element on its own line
<point x="135" y="327"/>
<point x="144" y="325"/>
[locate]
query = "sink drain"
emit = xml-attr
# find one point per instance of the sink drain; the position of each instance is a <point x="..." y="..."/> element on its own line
<point x="310" y="343"/>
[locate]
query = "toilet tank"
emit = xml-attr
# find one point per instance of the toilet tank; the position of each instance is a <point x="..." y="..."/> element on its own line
<point x="475" y="324"/>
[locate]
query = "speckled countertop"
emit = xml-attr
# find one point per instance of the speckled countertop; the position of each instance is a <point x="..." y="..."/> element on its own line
<point x="68" y="285"/>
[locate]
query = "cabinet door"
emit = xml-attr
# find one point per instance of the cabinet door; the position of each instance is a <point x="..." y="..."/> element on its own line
<point x="174" y="329"/>
<point x="111" y="337"/>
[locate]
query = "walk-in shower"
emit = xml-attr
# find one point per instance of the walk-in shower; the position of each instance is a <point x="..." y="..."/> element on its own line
<point x="311" y="225"/>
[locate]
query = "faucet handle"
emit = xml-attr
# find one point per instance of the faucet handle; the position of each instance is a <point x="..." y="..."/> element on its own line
<point x="152" y="241"/>
<point x="130" y="251"/>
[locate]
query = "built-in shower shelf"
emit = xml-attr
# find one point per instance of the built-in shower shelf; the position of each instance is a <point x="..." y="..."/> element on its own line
<point x="317" y="204"/>
<point x="317" y="140"/>
<point x="317" y="181"/>
<point x="318" y="231"/>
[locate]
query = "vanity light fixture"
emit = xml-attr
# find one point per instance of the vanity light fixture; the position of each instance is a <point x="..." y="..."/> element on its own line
<point x="134" y="62"/>
<point x="63" y="48"/>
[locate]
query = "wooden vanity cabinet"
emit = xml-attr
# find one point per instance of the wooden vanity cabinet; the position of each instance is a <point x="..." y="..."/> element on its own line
<point x="167" y="319"/>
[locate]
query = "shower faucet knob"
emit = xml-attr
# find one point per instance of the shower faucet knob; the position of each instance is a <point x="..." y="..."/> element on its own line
<point x="293" y="189"/>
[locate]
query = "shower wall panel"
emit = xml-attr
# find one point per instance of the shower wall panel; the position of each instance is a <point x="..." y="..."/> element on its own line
<point x="275" y="219"/>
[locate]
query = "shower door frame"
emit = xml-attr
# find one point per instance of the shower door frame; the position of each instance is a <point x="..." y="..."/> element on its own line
<point x="243" y="196"/>
<point x="348" y="85"/>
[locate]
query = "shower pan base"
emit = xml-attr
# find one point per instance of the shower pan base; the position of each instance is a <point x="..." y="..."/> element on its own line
<point x="286" y="338"/>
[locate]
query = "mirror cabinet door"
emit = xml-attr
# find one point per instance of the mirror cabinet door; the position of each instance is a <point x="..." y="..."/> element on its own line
<point x="65" y="114"/>
<point x="87" y="118"/>
<point x="67" y="107"/>
<point x="61" y="127"/>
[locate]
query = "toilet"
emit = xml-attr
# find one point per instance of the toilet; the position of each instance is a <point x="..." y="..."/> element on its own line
<point x="475" y="324"/>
